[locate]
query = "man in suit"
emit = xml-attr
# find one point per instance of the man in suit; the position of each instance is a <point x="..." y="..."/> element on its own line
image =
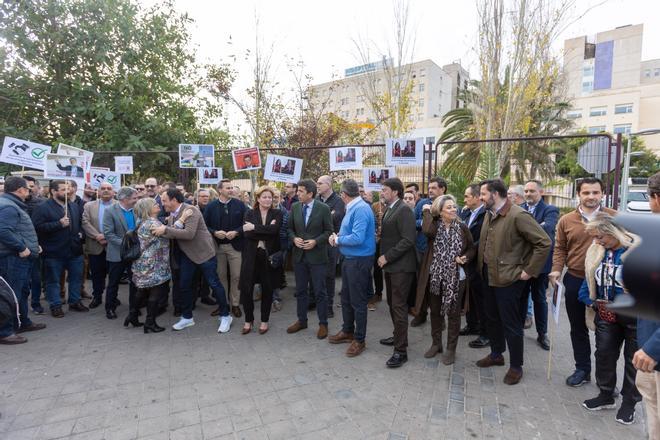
<point x="95" y="242"/>
<point x="399" y="263"/>
<point x="473" y="216"/>
<point x="310" y="226"/>
<point x="117" y="220"/>
<point x="547" y="216"/>
<point x="196" y="250"/>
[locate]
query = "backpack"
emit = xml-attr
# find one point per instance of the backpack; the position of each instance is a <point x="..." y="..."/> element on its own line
<point x="130" y="247"/>
<point x="8" y="304"/>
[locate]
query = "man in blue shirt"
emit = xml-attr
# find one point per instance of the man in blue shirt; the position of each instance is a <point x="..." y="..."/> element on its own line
<point x="357" y="243"/>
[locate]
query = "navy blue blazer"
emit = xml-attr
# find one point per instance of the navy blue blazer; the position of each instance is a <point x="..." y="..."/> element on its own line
<point x="547" y="216"/>
<point x="217" y="220"/>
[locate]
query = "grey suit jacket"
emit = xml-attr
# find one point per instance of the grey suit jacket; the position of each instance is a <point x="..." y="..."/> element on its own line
<point x="92" y="227"/>
<point x="397" y="239"/>
<point x="194" y="239"/>
<point x="114" y="229"/>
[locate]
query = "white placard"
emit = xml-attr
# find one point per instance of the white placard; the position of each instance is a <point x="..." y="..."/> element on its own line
<point x="374" y="177"/>
<point x="209" y="176"/>
<point x="24" y="153"/>
<point x="246" y="159"/>
<point x="60" y="166"/>
<point x="84" y="157"/>
<point x="97" y="176"/>
<point x="124" y="164"/>
<point x="196" y="156"/>
<point x="557" y="293"/>
<point x="283" y="168"/>
<point x="345" y="158"/>
<point x="404" y="151"/>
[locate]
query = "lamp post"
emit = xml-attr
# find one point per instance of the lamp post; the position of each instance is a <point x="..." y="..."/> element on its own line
<point x="626" y="164"/>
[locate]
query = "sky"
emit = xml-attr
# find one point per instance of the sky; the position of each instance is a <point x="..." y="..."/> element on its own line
<point x="323" y="34"/>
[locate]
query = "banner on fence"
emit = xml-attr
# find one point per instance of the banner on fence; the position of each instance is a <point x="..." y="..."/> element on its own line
<point x="345" y="158"/>
<point x="209" y="176"/>
<point x="283" y="168"/>
<point x="404" y="151"/>
<point x="24" y="153"/>
<point x="196" y="156"/>
<point x="124" y="164"/>
<point x="374" y="177"/>
<point x="246" y="159"/>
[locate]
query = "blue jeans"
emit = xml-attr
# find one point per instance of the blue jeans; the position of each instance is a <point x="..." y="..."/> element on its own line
<point x="16" y="271"/>
<point x="53" y="269"/>
<point x="355" y="281"/>
<point x="209" y="271"/>
<point x="305" y="272"/>
<point x="35" y="283"/>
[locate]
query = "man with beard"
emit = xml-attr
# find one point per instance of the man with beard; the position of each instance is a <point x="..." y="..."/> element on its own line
<point x="572" y="242"/>
<point x="58" y="225"/>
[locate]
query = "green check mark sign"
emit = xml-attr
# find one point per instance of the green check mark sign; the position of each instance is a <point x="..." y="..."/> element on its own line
<point x="38" y="153"/>
<point x="112" y="179"/>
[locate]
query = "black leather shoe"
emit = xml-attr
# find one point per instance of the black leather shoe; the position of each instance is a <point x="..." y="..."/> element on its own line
<point x="578" y="378"/>
<point x="418" y="320"/>
<point x="467" y="330"/>
<point x="110" y="314"/>
<point x="397" y="360"/>
<point x="480" y="342"/>
<point x="78" y="307"/>
<point x="387" y="341"/>
<point x="95" y="303"/>
<point x="543" y="342"/>
<point x="208" y="301"/>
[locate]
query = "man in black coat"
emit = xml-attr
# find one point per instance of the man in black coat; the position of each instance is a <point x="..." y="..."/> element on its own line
<point x="473" y="216"/>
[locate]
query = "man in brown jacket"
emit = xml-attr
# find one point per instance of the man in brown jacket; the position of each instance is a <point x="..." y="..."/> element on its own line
<point x="194" y="248"/>
<point x="513" y="248"/>
<point x="571" y="244"/>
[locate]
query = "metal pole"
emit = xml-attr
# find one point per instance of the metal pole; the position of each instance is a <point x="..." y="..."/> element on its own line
<point x="608" y="188"/>
<point x="430" y="162"/>
<point x="626" y="172"/>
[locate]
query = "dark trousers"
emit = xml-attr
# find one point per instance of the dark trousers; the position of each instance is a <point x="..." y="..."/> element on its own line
<point x="331" y="275"/>
<point x="476" y="315"/>
<point x="35" y="282"/>
<point x="200" y="288"/>
<point x="115" y="272"/>
<point x="425" y="301"/>
<point x="187" y="269"/>
<point x="151" y="296"/>
<point x="397" y="286"/>
<point x="579" y="332"/>
<point x="16" y="271"/>
<point x="609" y="339"/>
<point x="262" y="275"/>
<point x="503" y="313"/>
<point x="98" y="266"/>
<point x="537" y="289"/>
<point x="355" y="281"/>
<point x="306" y="272"/>
<point x="453" y="317"/>
<point x="378" y="275"/>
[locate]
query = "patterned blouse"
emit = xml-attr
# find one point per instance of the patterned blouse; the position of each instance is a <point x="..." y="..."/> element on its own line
<point x="153" y="266"/>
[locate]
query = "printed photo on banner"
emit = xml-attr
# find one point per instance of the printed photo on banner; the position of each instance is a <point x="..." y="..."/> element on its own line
<point x="374" y="177"/>
<point x="283" y="168"/>
<point x="345" y="158"/>
<point x="557" y="293"/>
<point x="209" y="176"/>
<point x="246" y="159"/>
<point x="196" y="156"/>
<point x="84" y="157"/>
<point x="24" y="153"/>
<point x="124" y="164"/>
<point x="99" y="176"/>
<point x="404" y="151"/>
<point x="59" y="166"/>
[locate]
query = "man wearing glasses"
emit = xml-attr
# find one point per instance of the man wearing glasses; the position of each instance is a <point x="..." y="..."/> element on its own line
<point x="141" y="190"/>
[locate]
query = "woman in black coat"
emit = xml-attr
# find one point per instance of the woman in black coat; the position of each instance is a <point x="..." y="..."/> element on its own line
<point x="261" y="231"/>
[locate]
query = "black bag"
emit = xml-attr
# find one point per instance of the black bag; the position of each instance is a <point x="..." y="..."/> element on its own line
<point x="130" y="247"/>
<point x="276" y="260"/>
<point x="8" y="303"/>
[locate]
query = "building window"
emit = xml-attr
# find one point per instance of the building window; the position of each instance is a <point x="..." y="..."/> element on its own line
<point x="647" y="73"/>
<point x="587" y="86"/>
<point x="622" y="128"/>
<point x="421" y="87"/>
<point x="623" y="108"/>
<point x="344" y="101"/>
<point x="420" y="116"/>
<point x="656" y="72"/>
<point x="574" y="114"/>
<point x="360" y="111"/>
<point x="598" y="111"/>
<point x="360" y="98"/>
<point x="421" y="102"/>
<point x="597" y="129"/>
<point x="422" y="72"/>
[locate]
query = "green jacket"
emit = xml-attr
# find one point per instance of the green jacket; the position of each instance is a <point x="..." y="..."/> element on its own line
<point x="319" y="228"/>
<point x="512" y="241"/>
<point x="397" y="239"/>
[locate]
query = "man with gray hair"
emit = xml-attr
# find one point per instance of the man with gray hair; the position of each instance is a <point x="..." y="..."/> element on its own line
<point x="117" y="220"/>
<point x="356" y="241"/>
<point x="516" y="193"/>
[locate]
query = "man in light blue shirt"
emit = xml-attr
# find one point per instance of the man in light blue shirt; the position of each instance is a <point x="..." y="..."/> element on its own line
<point x="357" y="243"/>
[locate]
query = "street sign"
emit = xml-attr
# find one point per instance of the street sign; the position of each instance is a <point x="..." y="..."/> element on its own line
<point x="592" y="156"/>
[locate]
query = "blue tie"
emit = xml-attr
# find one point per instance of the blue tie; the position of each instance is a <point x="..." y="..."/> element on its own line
<point x="305" y="208"/>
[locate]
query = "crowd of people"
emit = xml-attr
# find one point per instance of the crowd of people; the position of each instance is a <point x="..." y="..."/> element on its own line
<point x="493" y="260"/>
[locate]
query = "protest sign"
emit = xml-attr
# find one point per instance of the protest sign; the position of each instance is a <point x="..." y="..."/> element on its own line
<point x="84" y="157"/>
<point x="374" y="177"/>
<point x="24" y="153"/>
<point x="196" y="156"/>
<point x="283" y="168"/>
<point x="100" y="175"/>
<point x="124" y="164"/>
<point x="209" y="176"/>
<point x="345" y="158"/>
<point x="404" y="151"/>
<point x="246" y="159"/>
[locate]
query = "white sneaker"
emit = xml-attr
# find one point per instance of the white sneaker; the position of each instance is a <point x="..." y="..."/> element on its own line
<point x="183" y="323"/>
<point x="225" y="323"/>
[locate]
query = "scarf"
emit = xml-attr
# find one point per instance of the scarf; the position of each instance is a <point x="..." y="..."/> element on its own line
<point x="444" y="269"/>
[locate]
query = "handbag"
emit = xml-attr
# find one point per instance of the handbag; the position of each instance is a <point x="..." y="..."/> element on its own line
<point x="130" y="247"/>
<point x="8" y="304"/>
<point x="276" y="260"/>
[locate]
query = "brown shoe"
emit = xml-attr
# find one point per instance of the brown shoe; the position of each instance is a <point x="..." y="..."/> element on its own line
<point x="85" y="295"/>
<point x="78" y="307"/>
<point x="216" y="312"/>
<point x="323" y="331"/>
<point x="355" y="349"/>
<point x="513" y="376"/>
<point x="57" y="312"/>
<point x="13" y="340"/>
<point x="236" y="311"/>
<point x="31" y="328"/>
<point x="488" y="361"/>
<point x="296" y="327"/>
<point x="340" y="338"/>
<point x="418" y="320"/>
<point x="432" y="351"/>
<point x="449" y="357"/>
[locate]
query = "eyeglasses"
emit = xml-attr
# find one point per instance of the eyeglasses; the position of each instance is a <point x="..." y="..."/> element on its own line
<point x="149" y="186"/>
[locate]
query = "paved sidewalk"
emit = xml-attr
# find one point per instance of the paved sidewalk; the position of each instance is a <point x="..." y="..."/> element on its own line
<point x="86" y="377"/>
